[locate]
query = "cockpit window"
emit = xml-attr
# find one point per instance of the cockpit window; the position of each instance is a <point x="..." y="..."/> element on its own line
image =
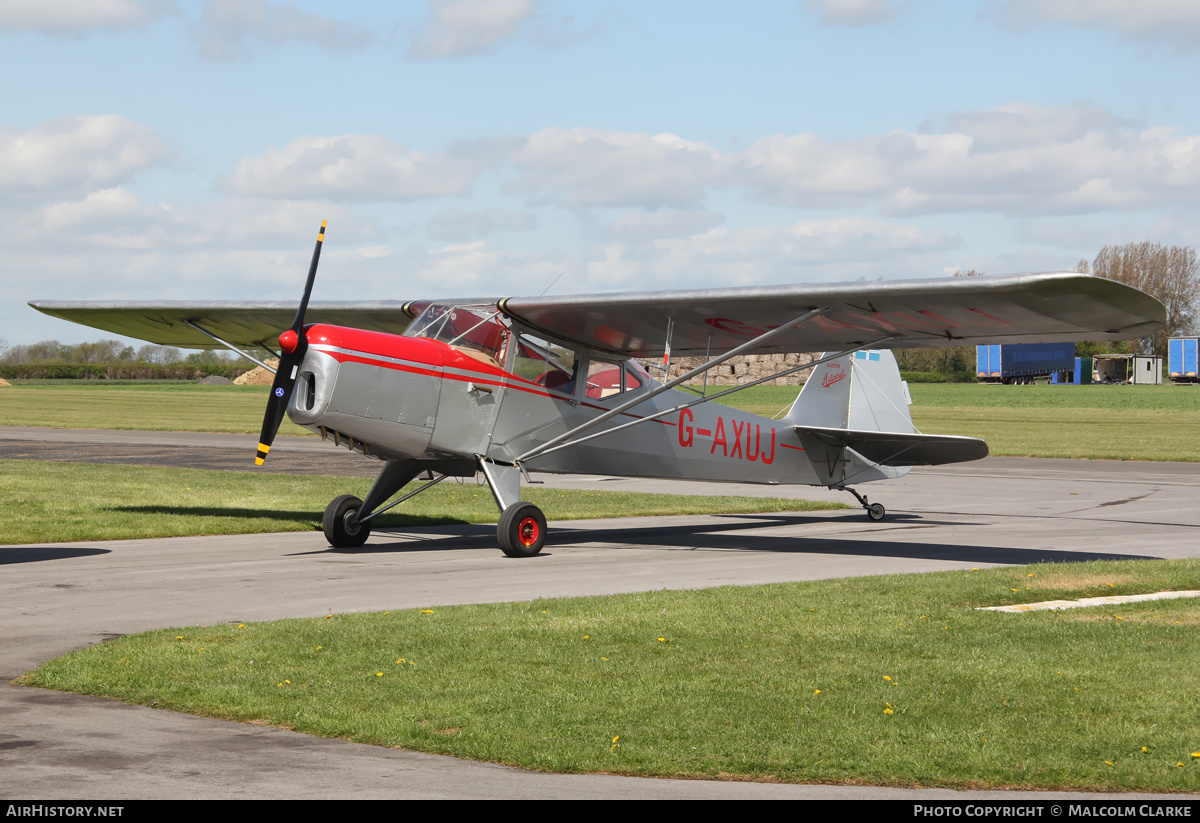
<point x="547" y="364"/>
<point x="477" y="331"/>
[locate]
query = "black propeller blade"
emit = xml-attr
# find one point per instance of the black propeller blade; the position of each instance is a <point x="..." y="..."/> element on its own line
<point x="293" y="344"/>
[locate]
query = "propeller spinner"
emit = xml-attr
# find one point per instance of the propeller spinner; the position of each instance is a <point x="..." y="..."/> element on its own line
<point x="293" y="344"/>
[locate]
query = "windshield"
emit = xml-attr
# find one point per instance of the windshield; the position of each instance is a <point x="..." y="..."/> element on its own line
<point x="473" y="330"/>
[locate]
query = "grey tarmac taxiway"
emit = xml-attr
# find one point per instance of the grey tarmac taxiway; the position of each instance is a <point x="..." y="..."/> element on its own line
<point x="54" y="598"/>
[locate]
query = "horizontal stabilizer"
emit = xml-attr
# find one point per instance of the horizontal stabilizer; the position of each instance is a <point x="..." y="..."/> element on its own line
<point x="897" y="448"/>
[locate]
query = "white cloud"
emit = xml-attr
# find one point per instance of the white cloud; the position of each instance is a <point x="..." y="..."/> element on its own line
<point x="459" y="28"/>
<point x="228" y="26"/>
<point x="73" y="155"/>
<point x="805" y="251"/>
<point x="639" y="226"/>
<point x="78" y="17"/>
<point x="1016" y="160"/>
<point x="853" y="13"/>
<point x="601" y="167"/>
<point x="358" y="168"/>
<point x="116" y="218"/>
<point x="464" y="225"/>
<point x="1176" y="22"/>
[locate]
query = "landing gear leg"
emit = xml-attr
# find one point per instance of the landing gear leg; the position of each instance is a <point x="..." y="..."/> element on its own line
<point x="344" y="524"/>
<point x="522" y="528"/>
<point x="875" y="511"/>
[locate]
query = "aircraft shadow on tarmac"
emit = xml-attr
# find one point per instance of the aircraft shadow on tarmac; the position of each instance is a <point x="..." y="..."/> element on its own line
<point x="36" y="554"/>
<point x="715" y="536"/>
<point x="410" y="521"/>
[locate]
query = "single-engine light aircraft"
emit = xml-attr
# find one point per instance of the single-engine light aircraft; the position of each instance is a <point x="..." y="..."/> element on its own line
<point x="454" y="388"/>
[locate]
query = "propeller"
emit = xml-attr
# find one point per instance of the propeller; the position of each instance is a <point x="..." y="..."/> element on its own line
<point x="293" y="344"/>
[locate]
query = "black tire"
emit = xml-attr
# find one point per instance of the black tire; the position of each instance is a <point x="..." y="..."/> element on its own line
<point x="341" y="531"/>
<point x="522" y="530"/>
<point x="875" y="511"/>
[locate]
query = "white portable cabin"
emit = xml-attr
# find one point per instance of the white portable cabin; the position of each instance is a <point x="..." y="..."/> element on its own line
<point x="1127" y="369"/>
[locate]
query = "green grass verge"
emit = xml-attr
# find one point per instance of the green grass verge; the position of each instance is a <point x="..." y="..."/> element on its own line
<point x="893" y="680"/>
<point x="45" y="502"/>
<point x="140" y="405"/>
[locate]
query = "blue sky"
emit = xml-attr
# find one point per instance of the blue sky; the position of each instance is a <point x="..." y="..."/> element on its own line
<point x="189" y="149"/>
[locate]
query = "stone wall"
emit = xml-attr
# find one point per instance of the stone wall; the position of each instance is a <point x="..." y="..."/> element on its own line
<point x="740" y="370"/>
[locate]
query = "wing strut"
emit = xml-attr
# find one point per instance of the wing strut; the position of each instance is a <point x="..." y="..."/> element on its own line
<point x="229" y="345"/>
<point x="872" y="344"/>
<point x="670" y="384"/>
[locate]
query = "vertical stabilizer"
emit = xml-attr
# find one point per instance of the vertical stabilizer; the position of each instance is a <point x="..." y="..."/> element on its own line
<point x="879" y="399"/>
<point x="825" y="398"/>
<point x="861" y="391"/>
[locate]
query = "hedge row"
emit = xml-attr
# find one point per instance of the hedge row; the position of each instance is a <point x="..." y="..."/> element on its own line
<point x="118" y="371"/>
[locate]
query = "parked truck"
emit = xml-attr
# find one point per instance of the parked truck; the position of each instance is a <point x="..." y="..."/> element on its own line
<point x="1022" y="362"/>
<point x="1181" y="359"/>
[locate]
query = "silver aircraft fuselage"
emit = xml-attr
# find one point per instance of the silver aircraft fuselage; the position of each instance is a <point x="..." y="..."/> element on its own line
<point x="415" y="398"/>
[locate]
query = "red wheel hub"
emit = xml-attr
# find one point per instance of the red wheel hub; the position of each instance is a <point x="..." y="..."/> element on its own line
<point x="527" y="532"/>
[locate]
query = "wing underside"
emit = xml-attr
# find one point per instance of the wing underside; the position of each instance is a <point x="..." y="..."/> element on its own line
<point x="246" y="324"/>
<point x="1025" y="308"/>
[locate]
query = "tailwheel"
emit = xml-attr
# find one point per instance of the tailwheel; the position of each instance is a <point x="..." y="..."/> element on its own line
<point x="875" y="511"/>
<point x="341" y="525"/>
<point x="522" y="530"/>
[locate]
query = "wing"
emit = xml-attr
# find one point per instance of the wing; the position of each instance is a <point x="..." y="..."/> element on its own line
<point x="1023" y="308"/>
<point x="246" y="324"/>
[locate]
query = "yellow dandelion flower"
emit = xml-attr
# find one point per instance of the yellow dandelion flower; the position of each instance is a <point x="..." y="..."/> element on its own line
<point x="241" y="625"/>
<point x="1108" y="762"/>
<point x="662" y="640"/>
<point x="1145" y="749"/>
<point x="426" y="611"/>
<point x="179" y="637"/>
<point x="379" y="674"/>
<point x="1195" y="754"/>
<point x="586" y="636"/>
<point x="1178" y="764"/>
<point x="816" y="691"/>
<point x="886" y="677"/>
<point x="888" y="711"/>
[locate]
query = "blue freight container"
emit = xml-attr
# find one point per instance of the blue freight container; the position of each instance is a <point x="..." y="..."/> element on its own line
<point x="1181" y="359"/>
<point x="1022" y="362"/>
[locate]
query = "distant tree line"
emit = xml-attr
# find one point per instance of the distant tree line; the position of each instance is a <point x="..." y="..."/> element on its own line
<point x="111" y="359"/>
<point x="1169" y="273"/>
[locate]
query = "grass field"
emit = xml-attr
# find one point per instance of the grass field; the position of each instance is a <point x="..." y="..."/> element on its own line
<point x="50" y="502"/>
<point x="140" y="405"/>
<point x="1096" y="422"/>
<point x="891" y="680"/>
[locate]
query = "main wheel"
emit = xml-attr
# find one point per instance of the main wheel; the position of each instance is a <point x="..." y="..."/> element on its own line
<point x="522" y="530"/>
<point x="340" y="523"/>
<point x="875" y="511"/>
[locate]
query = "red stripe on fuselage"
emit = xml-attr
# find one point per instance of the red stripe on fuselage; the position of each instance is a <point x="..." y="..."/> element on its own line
<point x="426" y="357"/>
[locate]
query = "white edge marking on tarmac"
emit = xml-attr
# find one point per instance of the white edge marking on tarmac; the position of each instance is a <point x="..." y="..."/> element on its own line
<point x="1089" y="601"/>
